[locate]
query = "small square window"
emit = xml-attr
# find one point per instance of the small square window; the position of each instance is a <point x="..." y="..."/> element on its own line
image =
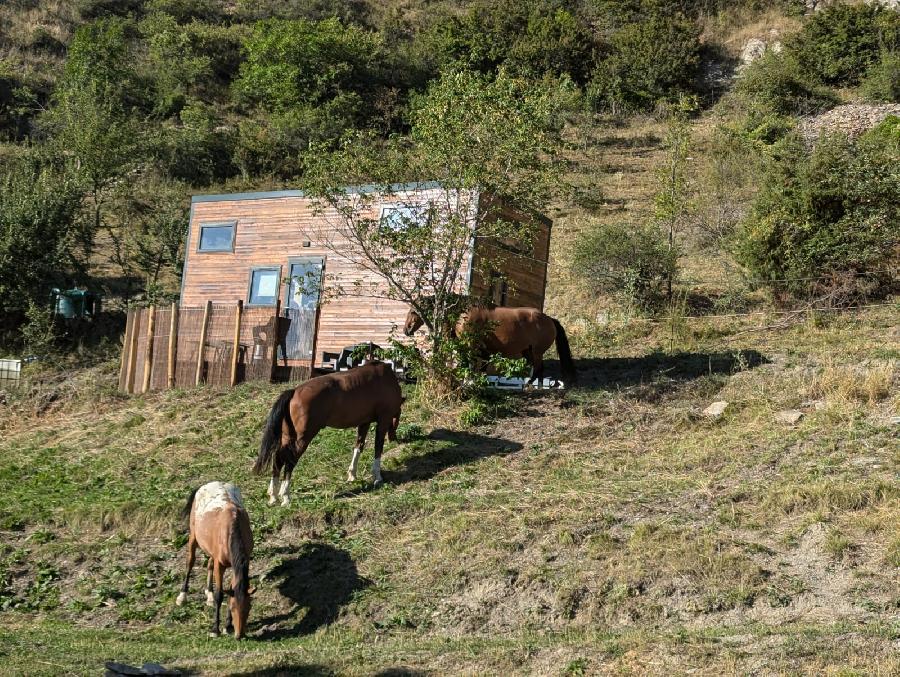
<point x="264" y="284"/>
<point x="217" y="237"/>
<point x="399" y="217"/>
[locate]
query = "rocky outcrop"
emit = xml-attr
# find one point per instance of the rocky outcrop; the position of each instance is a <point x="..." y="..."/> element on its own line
<point x="754" y="48"/>
<point x="852" y="119"/>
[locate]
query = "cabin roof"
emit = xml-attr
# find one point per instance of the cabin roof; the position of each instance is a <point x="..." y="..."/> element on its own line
<point x="366" y="188"/>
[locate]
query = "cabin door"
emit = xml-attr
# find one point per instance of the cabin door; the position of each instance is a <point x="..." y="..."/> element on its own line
<point x="302" y="306"/>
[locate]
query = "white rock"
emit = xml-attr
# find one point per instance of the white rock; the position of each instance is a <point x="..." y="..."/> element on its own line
<point x="716" y="409"/>
<point x="789" y="416"/>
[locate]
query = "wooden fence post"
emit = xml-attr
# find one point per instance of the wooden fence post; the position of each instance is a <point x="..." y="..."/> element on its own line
<point x="275" y="343"/>
<point x="132" y="351"/>
<point x="126" y="345"/>
<point x="235" y="348"/>
<point x="148" y="354"/>
<point x="202" y="351"/>
<point x="173" y="345"/>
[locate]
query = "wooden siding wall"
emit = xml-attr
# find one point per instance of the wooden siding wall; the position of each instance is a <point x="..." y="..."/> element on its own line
<point x="269" y="232"/>
<point x="272" y="230"/>
<point x="525" y="272"/>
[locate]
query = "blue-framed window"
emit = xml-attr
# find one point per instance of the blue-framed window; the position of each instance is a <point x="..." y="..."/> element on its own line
<point x="216" y="237"/>
<point x="264" y="286"/>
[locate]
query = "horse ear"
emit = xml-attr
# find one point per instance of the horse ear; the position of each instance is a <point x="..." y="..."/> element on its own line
<point x="230" y="593"/>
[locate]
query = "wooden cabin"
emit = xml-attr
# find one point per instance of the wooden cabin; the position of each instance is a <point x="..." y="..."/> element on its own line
<point x="255" y="246"/>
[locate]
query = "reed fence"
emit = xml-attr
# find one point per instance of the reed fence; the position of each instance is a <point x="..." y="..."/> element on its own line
<point x="216" y="344"/>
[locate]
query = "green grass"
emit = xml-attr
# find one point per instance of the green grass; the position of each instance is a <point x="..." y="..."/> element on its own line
<point x="575" y="534"/>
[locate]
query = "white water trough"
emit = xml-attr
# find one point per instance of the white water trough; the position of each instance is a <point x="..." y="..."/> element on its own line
<point x="521" y="382"/>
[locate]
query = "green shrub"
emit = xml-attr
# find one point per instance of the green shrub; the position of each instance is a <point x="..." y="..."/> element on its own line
<point x="830" y="211"/>
<point x="631" y="262"/>
<point x="290" y="64"/>
<point x="882" y="82"/>
<point x="531" y="37"/>
<point x="37" y="209"/>
<point x="838" y="45"/>
<point x="775" y="84"/>
<point x="647" y="61"/>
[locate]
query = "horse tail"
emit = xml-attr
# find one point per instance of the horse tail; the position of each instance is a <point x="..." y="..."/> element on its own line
<point x="565" y="353"/>
<point x="271" y="440"/>
<point x="186" y="510"/>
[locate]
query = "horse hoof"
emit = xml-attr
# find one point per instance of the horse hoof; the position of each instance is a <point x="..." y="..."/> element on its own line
<point x="213" y="634"/>
<point x="285" y="502"/>
<point x="179" y="601"/>
<point x="272" y="500"/>
<point x="378" y="483"/>
<point x="351" y="477"/>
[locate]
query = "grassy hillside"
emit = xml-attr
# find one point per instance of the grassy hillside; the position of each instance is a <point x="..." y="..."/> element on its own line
<point x="612" y="529"/>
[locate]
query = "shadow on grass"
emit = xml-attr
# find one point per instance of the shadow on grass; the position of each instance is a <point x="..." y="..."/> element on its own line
<point x="316" y="577"/>
<point x="303" y="670"/>
<point x="612" y="373"/>
<point x="290" y="670"/>
<point x="465" y="448"/>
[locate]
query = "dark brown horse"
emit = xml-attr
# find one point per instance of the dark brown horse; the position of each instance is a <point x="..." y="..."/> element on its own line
<point x="512" y="332"/>
<point x="349" y="399"/>
<point x="221" y="527"/>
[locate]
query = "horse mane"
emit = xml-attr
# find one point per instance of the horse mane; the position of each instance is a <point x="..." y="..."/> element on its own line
<point x="240" y="562"/>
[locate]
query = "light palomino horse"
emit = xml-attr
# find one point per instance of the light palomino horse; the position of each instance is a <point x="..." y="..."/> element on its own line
<point x="221" y="527"/>
<point x="350" y="399"/>
<point x="511" y="332"/>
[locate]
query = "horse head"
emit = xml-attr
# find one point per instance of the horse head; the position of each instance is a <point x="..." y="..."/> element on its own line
<point x="413" y="322"/>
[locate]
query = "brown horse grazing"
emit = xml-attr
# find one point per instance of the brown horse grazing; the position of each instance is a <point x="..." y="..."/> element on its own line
<point x="512" y="332"/>
<point x="350" y="399"/>
<point x="221" y="527"/>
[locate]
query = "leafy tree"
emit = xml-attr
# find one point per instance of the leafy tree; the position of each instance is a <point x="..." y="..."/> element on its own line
<point x="92" y="121"/>
<point x="37" y="208"/>
<point x="469" y="133"/>
<point x="176" y="65"/>
<point x="671" y="199"/>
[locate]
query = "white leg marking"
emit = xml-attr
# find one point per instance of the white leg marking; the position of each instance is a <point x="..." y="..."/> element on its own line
<point x="376" y="471"/>
<point x="182" y="596"/>
<point x="351" y="472"/>
<point x="271" y="491"/>
<point x="286" y="492"/>
<point x="210" y="598"/>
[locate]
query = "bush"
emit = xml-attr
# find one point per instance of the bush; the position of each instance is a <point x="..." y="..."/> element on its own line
<point x="882" y="82"/>
<point x="36" y="213"/>
<point x="831" y="211"/>
<point x="631" y="262"/>
<point x="530" y="38"/>
<point x="838" y="45"/>
<point x="775" y="84"/>
<point x="647" y="61"/>
<point x="292" y="64"/>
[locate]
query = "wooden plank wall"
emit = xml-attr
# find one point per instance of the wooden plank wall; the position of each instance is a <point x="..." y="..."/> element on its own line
<point x="523" y="267"/>
<point x="254" y="353"/>
<point x="271" y="231"/>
